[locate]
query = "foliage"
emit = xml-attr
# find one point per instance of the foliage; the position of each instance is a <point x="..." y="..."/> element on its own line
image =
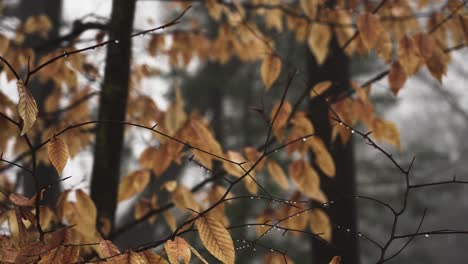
<point x="68" y="233"/>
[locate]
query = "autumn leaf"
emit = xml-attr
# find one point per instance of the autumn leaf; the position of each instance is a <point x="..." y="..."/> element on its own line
<point x="216" y="238"/>
<point x="152" y="258"/>
<point x="183" y="199"/>
<point x="323" y="158"/>
<point x="178" y="248"/>
<point x="270" y="70"/>
<point x="304" y="177"/>
<point x="133" y="183"/>
<point x="277" y="174"/>
<point x="396" y="77"/>
<point x="58" y="153"/>
<point x="320" y="88"/>
<point x="320" y="224"/>
<point x="408" y="55"/>
<point x="107" y="249"/>
<point x="319" y="40"/>
<point x="335" y="260"/>
<point x="370" y="29"/>
<point x="27" y="107"/>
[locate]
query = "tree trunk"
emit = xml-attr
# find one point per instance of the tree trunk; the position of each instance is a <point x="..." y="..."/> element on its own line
<point x="112" y="106"/>
<point x="343" y="212"/>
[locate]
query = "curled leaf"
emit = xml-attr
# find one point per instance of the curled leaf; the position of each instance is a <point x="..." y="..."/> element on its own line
<point x="27" y="107"/>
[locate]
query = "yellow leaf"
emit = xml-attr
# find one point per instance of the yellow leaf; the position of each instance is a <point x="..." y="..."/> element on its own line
<point x="320" y="224"/>
<point x="305" y="177"/>
<point x="277" y="174"/>
<point x="270" y="70"/>
<point x="178" y="248"/>
<point x="216" y="238"/>
<point x="232" y="168"/>
<point x="320" y="88"/>
<point x="369" y="28"/>
<point x="58" y="153"/>
<point x="309" y="7"/>
<point x="175" y="116"/>
<point x="396" y="77"/>
<point x="319" y="40"/>
<point x="87" y="212"/>
<point x="27" y="107"/>
<point x="250" y="184"/>
<point x="132" y="184"/>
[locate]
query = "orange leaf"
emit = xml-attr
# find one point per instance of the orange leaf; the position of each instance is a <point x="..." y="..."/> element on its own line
<point x="178" y="248"/>
<point x="323" y="158"/>
<point x="107" y="249"/>
<point x="270" y="70"/>
<point x="216" y="238"/>
<point x="58" y="153"/>
<point x="27" y="107"/>
<point x="133" y="183"/>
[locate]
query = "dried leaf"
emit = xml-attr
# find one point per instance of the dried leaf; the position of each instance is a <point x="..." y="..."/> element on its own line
<point x="270" y="70"/>
<point x="58" y="153"/>
<point x="323" y="158"/>
<point x="408" y="55"/>
<point x="133" y="183"/>
<point x="27" y="107"/>
<point x="396" y="77"/>
<point x="107" y="249"/>
<point x="320" y="224"/>
<point x="152" y="258"/>
<point x="369" y="28"/>
<point x="335" y="260"/>
<point x="319" y="40"/>
<point x="320" y="88"/>
<point x="178" y="248"/>
<point x="305" y="177"/>
<point x="277" y="174"/>
<point x="216" y="238"/>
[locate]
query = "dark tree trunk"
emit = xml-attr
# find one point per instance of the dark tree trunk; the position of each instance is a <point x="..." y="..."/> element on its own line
<point x="343" y="212"/>
<point x="112" y="106"/>
<point x="53" y="9"/>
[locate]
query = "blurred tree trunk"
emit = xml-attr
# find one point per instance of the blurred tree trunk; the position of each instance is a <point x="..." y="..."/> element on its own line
<point x="112" y="106"/>
<point x="40" y="91"/>
<point x="343" y="212"/>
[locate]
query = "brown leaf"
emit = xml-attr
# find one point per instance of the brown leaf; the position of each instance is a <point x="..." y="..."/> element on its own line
<point x="396" y="77"/>
<point x="216" y="238"/>
<point x="305" y="177"/>
<point x="335" y="260"/>
<point x="27" y="107"/>
<point x="152" y="258"/>
<point x="183" y="199"/>
<point x="320" y="224"/>
<point x="270" y="70"/>
<point x="21" y="200"/>
<point x="319" y="40"/>
<point x="281" y="118"/>
<point x="133" y="183"/>
<point x="369" y="28"/>
<point x="107" y="249"/>
<point x="178" y="248"/>
<point x="383" y="48"/>
<point x="408" y="55"/>
<point x="277" y="174"/>
<point x="323" y="158"/>
<point x="320" y="88"/>
<point x="58" y="153"/>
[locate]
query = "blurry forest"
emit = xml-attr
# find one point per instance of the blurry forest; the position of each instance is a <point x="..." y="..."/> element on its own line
<point x="263" y="131"/>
